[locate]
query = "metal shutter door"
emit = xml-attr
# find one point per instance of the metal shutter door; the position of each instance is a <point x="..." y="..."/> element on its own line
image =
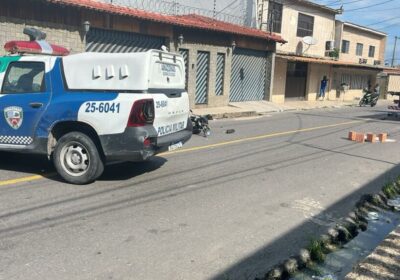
<point x="248" y="75"/>
<point x="110" y="41"/>
<point x="202" y="72"/>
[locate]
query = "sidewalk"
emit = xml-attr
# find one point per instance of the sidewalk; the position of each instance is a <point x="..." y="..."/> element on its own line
<point x="254" y="108"/>
<point x="383" y="263"/>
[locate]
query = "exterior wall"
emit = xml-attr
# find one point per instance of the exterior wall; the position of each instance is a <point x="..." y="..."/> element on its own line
<point x="64" y="35"/>
<point x="350" y="94"/>
<point x="315" y="74"/>
<point x="279" y="85"/>
<point x="214" y="44"/>
<point x="324" y="28"/>
<point x="355" y="36"/>
<point x="394" y="83"/>
<point x="212" y="99"/>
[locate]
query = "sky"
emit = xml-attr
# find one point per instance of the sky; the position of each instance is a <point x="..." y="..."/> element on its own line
<point x="382" y="16"/>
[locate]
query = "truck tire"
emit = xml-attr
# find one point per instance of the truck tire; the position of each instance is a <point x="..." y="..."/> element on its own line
<point x="77" y="159"/>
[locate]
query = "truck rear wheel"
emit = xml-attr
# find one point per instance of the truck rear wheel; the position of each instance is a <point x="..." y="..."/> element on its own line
<point x="77" y="159"/>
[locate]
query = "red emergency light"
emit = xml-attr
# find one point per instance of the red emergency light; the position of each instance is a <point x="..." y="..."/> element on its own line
<point x="35" y="47"/>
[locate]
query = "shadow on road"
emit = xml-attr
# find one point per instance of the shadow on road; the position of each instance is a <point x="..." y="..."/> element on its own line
<point x="260" y="262"/>
<point x="40" y="165"/>
<point x="129" y="170"/>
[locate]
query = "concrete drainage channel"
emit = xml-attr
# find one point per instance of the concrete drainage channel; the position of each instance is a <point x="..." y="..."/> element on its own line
<point x="334" y="254"/>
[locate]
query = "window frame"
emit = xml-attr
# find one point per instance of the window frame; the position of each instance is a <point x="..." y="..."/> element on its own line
<point x="347" y="49"/>
<point x="275" y="17"/>
<point x="43" y="86"/>
<point x="306" y="32"/>
<point x="359" y="49"/>
<point x="373" y="52"/>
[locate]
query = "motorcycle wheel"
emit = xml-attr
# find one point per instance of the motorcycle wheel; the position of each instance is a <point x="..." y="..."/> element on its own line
<point x="362" y="102"/>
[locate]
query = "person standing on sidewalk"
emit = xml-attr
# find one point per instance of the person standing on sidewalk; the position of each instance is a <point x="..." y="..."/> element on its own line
<point x="324" y="83"/>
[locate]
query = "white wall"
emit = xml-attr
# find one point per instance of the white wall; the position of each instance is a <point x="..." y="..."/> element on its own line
<point x="324" y="28"/>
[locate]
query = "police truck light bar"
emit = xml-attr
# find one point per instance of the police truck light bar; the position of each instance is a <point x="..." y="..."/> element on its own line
<point x="36" y="45"/>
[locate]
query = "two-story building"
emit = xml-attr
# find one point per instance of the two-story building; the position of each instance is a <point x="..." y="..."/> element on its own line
<point x="362" y="46"/>
<point x="314" y="51"/>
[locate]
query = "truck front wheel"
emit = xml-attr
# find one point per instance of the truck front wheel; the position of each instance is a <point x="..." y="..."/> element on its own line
<point x="77" y="159"/>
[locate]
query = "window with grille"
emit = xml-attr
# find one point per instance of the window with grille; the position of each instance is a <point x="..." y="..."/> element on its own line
<point x="275" y="17"/>
<point x="305" y="26"/>
<point x="355" y="81"/>
<point x="345" y="46"/>
<point x="359" y="49"/>
<point x="371" y="52"/>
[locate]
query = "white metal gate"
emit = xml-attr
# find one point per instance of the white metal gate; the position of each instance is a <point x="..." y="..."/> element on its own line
<point x="248" y="75"/>
<point x="202" y="72"/>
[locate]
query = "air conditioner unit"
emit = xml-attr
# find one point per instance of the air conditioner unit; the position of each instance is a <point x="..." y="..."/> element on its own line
<point x="377" y="62"/>
<point x="363" y="61"/>
<point x="330" y="45"/>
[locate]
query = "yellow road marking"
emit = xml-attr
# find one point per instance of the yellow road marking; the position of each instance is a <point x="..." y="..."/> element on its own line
<point x="258" y="138"/>
<point x="241" y="140"/>
<point x="21" y="180"/>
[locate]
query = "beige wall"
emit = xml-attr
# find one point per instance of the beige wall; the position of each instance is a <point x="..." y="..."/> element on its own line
<point x="368" y="39"/>
<point x="212" y="99"/>
<point x="351" y="94"/>
<point x="66" y="36"/>
<point x="316" y="72"/>
<point x="394" y="83"/>
<point x="324" y="28"/>
<point x="279" y="86"/>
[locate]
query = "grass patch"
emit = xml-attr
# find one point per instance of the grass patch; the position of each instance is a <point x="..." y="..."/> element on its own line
<point x="317" y="250"/>
<point x="389" y="190"/>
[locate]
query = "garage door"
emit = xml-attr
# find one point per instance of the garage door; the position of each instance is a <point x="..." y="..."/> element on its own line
<point x="110" y="41"/>
<point x="248" y="75"/>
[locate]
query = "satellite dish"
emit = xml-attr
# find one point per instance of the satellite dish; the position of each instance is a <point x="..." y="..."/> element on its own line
<point x="308" y="40"/>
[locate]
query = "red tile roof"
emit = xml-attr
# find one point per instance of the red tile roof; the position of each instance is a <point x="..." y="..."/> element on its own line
<point x="392" y="71"/>
<point x="189" y="21"/>
<point x="328" y="61"/>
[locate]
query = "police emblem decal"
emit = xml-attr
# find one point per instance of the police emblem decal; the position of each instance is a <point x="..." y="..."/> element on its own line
<point x="14" y="116"/>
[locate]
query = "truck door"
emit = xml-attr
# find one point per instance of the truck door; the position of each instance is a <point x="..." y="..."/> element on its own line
<point x="25" y="93"/>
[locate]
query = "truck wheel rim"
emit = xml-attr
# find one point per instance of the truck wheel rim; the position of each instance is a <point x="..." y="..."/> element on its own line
<point x="75" y="159"/>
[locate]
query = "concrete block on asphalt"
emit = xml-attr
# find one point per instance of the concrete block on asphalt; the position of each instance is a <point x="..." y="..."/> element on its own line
<point x="352" y="136"/>
<point x="371" y="137"/>
<point x="382" y="137"/>
<point x="360" y="137"/>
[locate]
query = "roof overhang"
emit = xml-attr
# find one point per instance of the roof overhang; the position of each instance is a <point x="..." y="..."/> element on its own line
<point x="332" y="62"/>
<point x="187" y="21"/>
<point x="320" y="7"/>
<point x="366" y="29"/>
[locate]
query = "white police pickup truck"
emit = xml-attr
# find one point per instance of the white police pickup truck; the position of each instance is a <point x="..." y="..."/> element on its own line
<point x="86" y="109"/>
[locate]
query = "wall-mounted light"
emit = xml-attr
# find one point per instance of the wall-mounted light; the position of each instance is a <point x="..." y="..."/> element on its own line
<point x="86" y="26"/>
<point x="180" y="39"/>
<point x="233" y="45"/>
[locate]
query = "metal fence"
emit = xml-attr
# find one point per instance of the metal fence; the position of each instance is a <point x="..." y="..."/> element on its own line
<point x="175" y="8"/>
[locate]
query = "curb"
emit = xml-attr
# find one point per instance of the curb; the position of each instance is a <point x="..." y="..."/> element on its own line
<point x="337" y="236"/>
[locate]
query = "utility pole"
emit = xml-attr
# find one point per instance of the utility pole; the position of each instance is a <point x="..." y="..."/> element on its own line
<point x="394" y="50"/>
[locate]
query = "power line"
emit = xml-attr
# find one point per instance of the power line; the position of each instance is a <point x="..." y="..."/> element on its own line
<point x="386" y="20"/>
<point x="369" y="6"/>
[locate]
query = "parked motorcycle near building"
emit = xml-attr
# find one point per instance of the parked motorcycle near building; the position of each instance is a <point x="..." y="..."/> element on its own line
<point x="369" y="98"/>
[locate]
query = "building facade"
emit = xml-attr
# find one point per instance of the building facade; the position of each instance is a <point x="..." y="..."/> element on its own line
<point x="313" y="52"/>
<point x="223" y="60"/>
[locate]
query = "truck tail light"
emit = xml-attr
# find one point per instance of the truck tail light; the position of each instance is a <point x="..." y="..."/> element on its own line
<point x="142" y="113"/>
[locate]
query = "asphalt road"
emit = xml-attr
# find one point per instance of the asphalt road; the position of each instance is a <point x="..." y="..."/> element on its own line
<point x="225" y="207"/>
